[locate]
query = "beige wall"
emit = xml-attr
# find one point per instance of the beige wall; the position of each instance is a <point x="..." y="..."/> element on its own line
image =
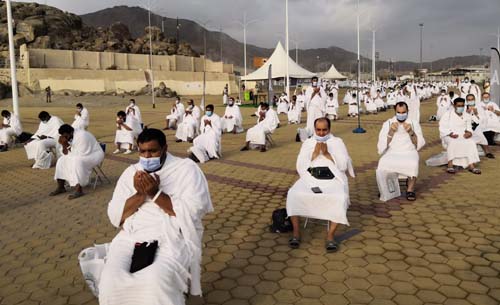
<point x="66" y="59"/>
<point x="185" y="83"/>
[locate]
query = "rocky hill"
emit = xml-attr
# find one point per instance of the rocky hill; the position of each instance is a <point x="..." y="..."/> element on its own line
<point x="46" y="27"/>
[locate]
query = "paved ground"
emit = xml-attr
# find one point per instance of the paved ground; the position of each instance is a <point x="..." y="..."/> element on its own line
<point x="442" y="249"/>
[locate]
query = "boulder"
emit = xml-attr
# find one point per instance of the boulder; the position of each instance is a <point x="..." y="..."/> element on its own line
<point x="119" y="31"/>
<point x="19" y="40"/>
<point x="32" y="28"/>
<point x="42" y="42"/>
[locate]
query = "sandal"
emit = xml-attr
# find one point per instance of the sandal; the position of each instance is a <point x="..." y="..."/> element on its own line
<point x="451" y="170"/>
<point x="411" y="196"/>
<point x="331" y="246"/>
<point x="294" y="242"/>
<point x="57" y="192"/>
<point x="475" y="171"/>
<point x="75" y="195"/>
<point x="490" y="156"/>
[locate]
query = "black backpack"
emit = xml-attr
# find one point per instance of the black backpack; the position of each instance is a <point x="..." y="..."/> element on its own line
<point x="280" y="222"/>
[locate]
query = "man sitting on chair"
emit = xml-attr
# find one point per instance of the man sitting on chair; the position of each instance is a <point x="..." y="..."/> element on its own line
<point x="44" y="139"/>
<point x="81" y="153"/>
<point x="398" y="144"/>
<point x="256" y="136"/>
<point x="455" y="129"/>
<point x="207" y="145"/>
<point x="322" y="191"/>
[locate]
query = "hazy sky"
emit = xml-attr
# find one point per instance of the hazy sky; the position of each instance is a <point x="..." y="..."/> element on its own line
<point x="451" y="27"/>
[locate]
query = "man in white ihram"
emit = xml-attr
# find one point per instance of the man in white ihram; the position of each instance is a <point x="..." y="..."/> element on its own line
<point x="159" y="203"/>
<point x="81" y="117"/>
<point x="207" y="145"/>
<point x="455" y="129"/>
<point x="11" y="126"/>
<point x="81" y="153"/>
<point x="398" y="144"/>
<point x="188" y="128"/>
<point x="316" y="195"/>
<point x="267" y="124"/>
<point x="232" y="121"/>
<point x="44" y="139"/>
<point x="315" y="104"/>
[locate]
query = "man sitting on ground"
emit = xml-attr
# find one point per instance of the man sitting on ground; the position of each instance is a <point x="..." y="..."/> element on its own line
<point x="11" y="126"/>
<point x="44" y="140"/>
<point x="455" y="129"/>
<point x="207" y="145"/>
<point x="81" y="153"/>
<point x="232" y="121"/>
<point x="124" y="134"/>
<point x="158" y="205"/>
<point x="175" y="116"/>
<point x="256" y="136"/>
<point x="398" y="144"/>
<point x="294" y="112"/>
<point x="322" y="191"/>
<point x="187" y="129"/>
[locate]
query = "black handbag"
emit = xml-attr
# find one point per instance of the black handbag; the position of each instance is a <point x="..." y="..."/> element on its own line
<point x="143" y="256"/>
<point x="321" y="173"/>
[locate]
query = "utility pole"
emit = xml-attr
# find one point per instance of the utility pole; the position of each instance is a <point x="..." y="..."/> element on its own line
<point x="374" y="76"/>
<point x="359" y="129"/>
<point x="177" y="28"/>
<point x="151" y="56"/>
<point x="221" y="44"/>
<point x="287" y="52"/>
<point x="421" y="43"/>
<point x="12" y="57"/>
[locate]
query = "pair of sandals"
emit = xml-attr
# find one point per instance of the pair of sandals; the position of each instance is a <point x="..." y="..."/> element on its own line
<point x="331" y="246"/>
<point x="475" y="171"/>
<point x="70" y="197"/>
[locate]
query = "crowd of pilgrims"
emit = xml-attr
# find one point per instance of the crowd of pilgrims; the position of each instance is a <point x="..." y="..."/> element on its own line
<point x="162" y="187"/>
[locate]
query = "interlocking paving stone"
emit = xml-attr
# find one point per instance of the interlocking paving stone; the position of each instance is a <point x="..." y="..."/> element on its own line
<point x="441" y="249"/>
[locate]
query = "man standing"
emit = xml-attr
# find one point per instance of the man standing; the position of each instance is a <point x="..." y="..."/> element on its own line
<point x="81" y="153"/>
<point x="81" y="117"/>
<point x="398" y="144"/>
<point x="11" y="126"/>
<point x="39" y="147"/>
<point x="256" y="136"/>
<point x="207" y="145"/>
<point x="225" y="94"/>
<point x="158" y="205"/>
<point x="465" y="88"/>
<point x="322" y="191"/>
<point x="48" y="95"/>
<point x="315" y="101"/>
<point x="455" y="129"/>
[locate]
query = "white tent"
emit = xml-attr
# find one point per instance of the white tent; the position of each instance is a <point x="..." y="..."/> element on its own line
<point x="278" y="60"/>
<point x="333" y="74"/>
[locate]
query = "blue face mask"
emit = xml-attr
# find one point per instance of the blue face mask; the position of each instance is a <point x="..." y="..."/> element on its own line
<point x="150" y="164"/>
<point x="322" y="139"/>
<point x="460" y="110"/>
<point x="401" y="116"/>
<point x="209" y="113"/>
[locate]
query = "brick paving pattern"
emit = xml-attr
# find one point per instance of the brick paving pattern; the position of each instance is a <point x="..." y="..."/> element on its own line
<point x="442" y="249"/>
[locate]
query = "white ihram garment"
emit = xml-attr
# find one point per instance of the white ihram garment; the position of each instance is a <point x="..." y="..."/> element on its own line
<point x="257" y="134"/>
<point x="443" y="105"/>
<point x="77" y="165"/>
<point x="333" y="202"/>
<point x="39" y="150"/>
<point x="82" y="120"/>
<point x="316" y="107"/>
<point x="187" y="129"/>
<point x="176" y="268"/>
<point x="15" y="129"/>
<point x="294" y="114"/>
<point x="461" y="151"/>
<point x="208" y="144"/>
<point x="236" y="120"/>
<point x="399" y="158"/>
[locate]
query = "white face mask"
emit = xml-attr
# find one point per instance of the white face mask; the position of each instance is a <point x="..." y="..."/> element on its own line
<point x="322" y="139"/>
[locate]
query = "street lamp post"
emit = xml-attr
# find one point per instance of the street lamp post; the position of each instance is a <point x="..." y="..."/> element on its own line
<point x="12" y="57"/>
<point x="421" y="43"/>
<point x="244" y="24"/>
<point x="151" y="56"/>
<point x="287" y="51"/>
<point x="359" y="129"/>
<point x="374" y="73"/>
